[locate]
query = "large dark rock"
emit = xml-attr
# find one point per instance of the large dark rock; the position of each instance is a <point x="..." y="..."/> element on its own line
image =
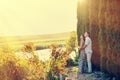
<point x="102" y="19"/>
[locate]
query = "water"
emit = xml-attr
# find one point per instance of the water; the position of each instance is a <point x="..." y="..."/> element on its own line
<point x="43" y="55"/>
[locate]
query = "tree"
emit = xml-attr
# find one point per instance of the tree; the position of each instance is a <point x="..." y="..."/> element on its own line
<point x="72" y="42"/>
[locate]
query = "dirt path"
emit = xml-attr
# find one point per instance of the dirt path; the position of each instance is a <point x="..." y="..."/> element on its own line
<point x="96" y="75"/>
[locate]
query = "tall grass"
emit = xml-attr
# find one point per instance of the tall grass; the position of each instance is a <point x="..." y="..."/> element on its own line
<point x="13" y="67"/>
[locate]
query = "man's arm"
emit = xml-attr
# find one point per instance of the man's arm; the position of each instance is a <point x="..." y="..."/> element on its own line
<point x="83" y="47"/>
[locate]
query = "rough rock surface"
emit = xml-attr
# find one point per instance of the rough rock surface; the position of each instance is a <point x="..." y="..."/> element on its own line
<point x="102" y="19"/>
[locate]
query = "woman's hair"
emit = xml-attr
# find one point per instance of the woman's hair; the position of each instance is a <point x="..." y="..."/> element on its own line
<point x="82" y="37"/>
<point x="82" y="40"/>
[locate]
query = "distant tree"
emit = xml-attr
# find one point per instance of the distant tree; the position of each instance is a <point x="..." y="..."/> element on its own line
<point x="72" y="42"/>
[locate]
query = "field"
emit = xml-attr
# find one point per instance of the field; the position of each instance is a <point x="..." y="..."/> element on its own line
<point x="20" y="60"/>
<point x="17" y="42"/>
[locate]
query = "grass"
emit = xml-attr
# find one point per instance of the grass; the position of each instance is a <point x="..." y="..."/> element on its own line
<point x="17" y="42"/>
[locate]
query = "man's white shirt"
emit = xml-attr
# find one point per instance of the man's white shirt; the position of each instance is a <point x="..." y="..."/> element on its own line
<point x="88" y="42"/>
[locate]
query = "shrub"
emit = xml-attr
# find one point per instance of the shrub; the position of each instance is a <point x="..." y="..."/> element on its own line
<point x="13" y="67"/>
<point x="9" y="68"/>
<point x="58" y="62"/>
<point x="72" y="42"/>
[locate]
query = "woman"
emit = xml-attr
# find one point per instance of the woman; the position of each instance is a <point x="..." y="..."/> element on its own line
<point x="82" y="56"/>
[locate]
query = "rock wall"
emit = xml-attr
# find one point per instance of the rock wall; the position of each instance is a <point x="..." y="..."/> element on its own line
<point x="102" y="19"/>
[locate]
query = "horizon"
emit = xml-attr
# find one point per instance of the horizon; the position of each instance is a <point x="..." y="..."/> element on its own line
<point x="36" y="34"/>
<point x="37" y="17"/>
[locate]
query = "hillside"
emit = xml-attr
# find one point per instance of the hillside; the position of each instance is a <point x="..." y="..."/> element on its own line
<point x="33" y="37"/>
<point x="45" y="39"/>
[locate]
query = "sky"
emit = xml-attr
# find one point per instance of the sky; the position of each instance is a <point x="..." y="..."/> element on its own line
<point x="33" y="17"/>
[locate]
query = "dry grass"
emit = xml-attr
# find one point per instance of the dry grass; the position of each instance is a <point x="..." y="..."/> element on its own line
<point x="39" y="40"/>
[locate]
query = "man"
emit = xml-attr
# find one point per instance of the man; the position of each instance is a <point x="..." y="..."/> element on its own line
<point x="88" y="50"/>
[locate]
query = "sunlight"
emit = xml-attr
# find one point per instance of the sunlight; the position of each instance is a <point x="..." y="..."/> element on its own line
<point x="37" y="17"/>
<point x="83" y="6"/>
<point x="82" y="1"/>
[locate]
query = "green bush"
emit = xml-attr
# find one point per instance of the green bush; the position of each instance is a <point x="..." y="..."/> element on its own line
<point x="72" y="42"/>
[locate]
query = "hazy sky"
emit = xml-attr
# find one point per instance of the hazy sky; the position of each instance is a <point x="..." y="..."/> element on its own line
<point x="26" y="17"/>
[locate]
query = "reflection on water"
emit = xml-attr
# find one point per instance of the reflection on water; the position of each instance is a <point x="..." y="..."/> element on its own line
<point x="43" y="55"/>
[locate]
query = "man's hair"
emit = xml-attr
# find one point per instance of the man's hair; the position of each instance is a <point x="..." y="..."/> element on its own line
<point x="88" y="33"/>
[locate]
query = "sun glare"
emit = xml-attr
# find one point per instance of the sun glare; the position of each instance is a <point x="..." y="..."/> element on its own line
<point x="81" y="1"/>
<point x="37" y="17"/>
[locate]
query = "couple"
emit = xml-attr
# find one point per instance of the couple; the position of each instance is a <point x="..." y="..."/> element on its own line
<point x="85" y="53"/>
